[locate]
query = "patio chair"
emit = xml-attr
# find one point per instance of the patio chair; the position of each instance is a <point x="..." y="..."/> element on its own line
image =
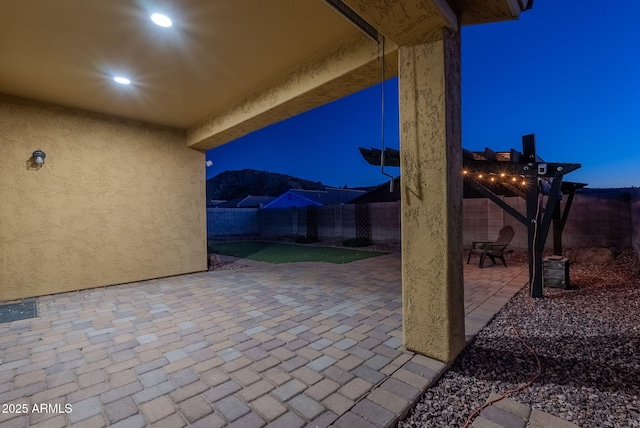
<point x="493" y="249"/>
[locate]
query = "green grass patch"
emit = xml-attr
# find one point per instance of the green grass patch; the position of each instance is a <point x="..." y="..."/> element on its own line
<point x="276" y="252"/>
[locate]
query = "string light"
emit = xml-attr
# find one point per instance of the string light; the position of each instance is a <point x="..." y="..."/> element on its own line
<point x="498" y="177"/>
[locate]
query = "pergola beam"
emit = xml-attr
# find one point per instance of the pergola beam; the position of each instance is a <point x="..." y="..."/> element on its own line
<point x="502" y="204"/>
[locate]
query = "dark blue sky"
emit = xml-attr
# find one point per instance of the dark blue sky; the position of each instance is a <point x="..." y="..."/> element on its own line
<point x="567" y="71"/>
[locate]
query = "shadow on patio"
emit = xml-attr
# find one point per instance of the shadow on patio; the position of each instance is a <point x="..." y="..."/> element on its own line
<point x="284" y="345"/>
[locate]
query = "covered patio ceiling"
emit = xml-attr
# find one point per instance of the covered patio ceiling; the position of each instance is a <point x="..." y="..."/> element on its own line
<point x="225" y="68"/>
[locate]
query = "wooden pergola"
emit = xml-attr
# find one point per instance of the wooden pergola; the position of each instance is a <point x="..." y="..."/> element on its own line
<point x="493" y="174"/>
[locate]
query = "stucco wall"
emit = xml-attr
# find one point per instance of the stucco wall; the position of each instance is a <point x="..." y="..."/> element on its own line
<point x="116" y="201"/>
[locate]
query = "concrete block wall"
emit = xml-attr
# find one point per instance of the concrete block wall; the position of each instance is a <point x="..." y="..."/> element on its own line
<point x="348" y="221"/>
<point x="232" y="222"/>
<point x="519" y="241"/>
<point x="330" y="222"/>
<point x="475" y="217"/>
<point x="608" y="217"/>
<point x="483" y="219"/>
<point x="281" y="222"/>
<point x="635" y="220"/>
<point x="599" y="219"/>
<point x="384" y="220"/>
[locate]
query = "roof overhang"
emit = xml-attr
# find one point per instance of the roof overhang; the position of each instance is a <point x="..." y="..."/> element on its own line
<point x="226" y="68"/>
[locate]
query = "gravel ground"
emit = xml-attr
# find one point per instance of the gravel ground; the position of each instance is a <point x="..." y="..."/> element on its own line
<point x="587" y="339"/>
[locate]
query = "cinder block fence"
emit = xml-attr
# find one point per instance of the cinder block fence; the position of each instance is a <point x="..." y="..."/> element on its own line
<point x="598" y="217"/>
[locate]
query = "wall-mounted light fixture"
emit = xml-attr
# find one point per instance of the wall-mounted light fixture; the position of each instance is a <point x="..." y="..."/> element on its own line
<point x="38" y="157"/>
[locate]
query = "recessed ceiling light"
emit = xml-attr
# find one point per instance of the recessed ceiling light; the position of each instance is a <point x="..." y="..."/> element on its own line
<point x="122" y="80"/>
<point x="161" y="20"/>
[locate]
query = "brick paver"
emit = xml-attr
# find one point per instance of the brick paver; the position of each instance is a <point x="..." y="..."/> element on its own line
<point x="265" y="345"/>
<point x="508" y="413"/>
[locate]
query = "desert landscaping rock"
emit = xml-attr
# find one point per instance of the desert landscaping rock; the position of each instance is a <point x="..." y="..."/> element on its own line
<point x="588" y="342"/>
<point x="591" y="255"/>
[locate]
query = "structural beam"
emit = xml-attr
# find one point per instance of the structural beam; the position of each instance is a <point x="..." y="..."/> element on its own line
<point x="474" y="12"/>
<point x="351" y="65"/>
<point x="407" y="22"/>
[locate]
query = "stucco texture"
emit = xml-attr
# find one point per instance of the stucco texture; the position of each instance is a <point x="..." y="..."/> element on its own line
<point x="351" y="65"/>
<point x="116" y="201"/>
<point x="431" y="205"/>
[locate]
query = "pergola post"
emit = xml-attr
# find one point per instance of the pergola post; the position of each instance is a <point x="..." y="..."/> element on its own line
<point x="532" y="192"/>
<point x="535" y="253"/>
<point x="557" y="230"/>
<point x="431" y="202"/>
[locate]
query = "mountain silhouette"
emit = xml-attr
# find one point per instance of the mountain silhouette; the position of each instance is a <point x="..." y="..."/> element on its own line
<point x="235" y="184"/>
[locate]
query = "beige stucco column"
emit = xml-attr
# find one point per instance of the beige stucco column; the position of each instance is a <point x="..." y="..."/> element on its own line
<point x="431" y="185"/>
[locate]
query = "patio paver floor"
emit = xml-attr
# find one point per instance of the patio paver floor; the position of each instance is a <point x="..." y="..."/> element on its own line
<point x="266" y="345"/>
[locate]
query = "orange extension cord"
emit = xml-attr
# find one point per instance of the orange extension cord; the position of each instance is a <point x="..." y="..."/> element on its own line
<point x="513" y="391"/>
